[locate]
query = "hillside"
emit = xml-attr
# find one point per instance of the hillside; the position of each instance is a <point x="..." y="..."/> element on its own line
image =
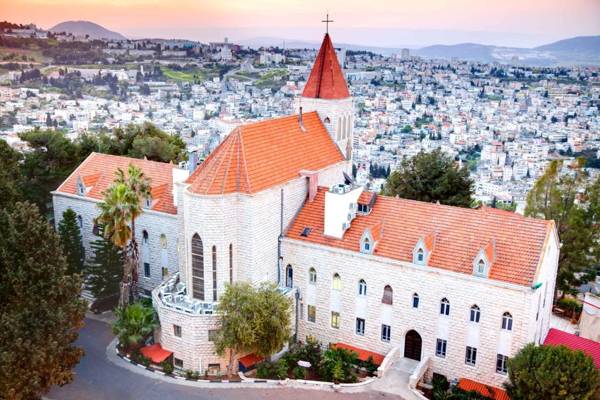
<point x="82" y="28"/>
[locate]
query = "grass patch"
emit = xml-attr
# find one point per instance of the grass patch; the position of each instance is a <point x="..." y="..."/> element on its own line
<point x="11" y="54"/>
<point x="190" y="75"/>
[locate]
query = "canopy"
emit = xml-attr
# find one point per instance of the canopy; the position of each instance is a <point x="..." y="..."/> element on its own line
<point x="156" y="353"/>
<point x="363" y="354"/>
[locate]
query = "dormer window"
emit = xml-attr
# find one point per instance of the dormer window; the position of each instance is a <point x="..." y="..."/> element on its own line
<point x="420" y="256"/>
<point x="366" y="245"/>
<point x="423" y="249"/>
<point x="363" y="208"/>
<point x="148" y="202"/>
<point x="484" y="259"/>
<point x="80" y="188"/>
<point x="481" y="266"/>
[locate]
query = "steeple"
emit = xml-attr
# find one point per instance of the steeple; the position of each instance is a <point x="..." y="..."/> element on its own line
<point x="326" y="80"/>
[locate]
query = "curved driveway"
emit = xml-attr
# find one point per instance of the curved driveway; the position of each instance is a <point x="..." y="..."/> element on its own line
<point x="96" y="378"/>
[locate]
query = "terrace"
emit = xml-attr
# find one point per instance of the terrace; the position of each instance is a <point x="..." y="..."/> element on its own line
<point x="172" y="294"/>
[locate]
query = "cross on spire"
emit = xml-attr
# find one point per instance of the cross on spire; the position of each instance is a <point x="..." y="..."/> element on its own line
<point x="327" y="21"/>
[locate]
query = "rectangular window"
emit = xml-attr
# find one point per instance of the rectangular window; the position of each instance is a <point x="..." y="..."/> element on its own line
<point x="165" y="272"/>
<point x="386" y="333"/>
<point x="360" y="326"/>
<point x="177" y="330"/>
<point x="178" y="363"/>
<point x="335" y="320"/>
<point x="147" y="270"/>
<point x="440" y="348"/>
<point x="211" y="334"/>
<point x="415" y="301"/>
<point x="312" y="313"/>
<point x="471" y="355"/>
<point x="502" y="364"/>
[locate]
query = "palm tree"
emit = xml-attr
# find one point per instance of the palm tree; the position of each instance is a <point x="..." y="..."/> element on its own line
<point x="133" y="324"/>
<point x="118" y="212"/>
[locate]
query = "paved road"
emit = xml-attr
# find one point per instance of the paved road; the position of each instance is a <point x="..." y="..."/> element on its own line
<point x="96" y="378"/>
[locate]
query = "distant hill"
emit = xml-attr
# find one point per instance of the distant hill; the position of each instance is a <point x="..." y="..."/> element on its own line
<point x="577" y="50"/>
<point x="583" y="50"/>
<point x="82" y="28"/>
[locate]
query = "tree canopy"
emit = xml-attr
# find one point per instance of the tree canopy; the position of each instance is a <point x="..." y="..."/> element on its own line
<point x="551" y="373"/>
<point x="71" y="241"/>
<point x="10" y="175"/>
<point x="104" y="269"/>
<point x="431" y="177"/>
<point x="40" y="311"/>
<point x="252" y="320"/>
<point x="571" y="200"/>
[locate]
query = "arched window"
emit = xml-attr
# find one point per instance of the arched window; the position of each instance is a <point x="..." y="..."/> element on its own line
<point x="507" y="321"/>
<point x="289" y="276"/>
<point x="312" y="276"/>
<point x="326" y="120"/>
<point x="388" y="295"/>
<point x="362" y="288"/>
<point x="475" y="313"/>
<point x="420" y="256"/>
<point x="337" y="282"/>
<point x="214" y="272"/>
<point x="163" y="241"/>
<point x="445" y="307"/>
<point x="80" y="189"/>
<point x="197" y="268"/>
<point x="481" y="266"/>
<point x="144" y="237"/>
<point x="230" y="263"/>
<point x="80" y="221"/>
<point x="415" y="300"/>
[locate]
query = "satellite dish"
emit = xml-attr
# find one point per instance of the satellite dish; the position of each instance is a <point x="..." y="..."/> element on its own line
<point x="347" y="179"/>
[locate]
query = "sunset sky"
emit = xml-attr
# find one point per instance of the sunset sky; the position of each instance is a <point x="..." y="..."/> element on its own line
<point x="389" y="23"/>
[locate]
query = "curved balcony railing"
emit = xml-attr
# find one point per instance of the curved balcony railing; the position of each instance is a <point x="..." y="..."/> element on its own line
<point x="172" y="293"/>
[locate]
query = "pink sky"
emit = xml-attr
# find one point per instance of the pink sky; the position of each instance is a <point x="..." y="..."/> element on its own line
<point x="373" y="22"/>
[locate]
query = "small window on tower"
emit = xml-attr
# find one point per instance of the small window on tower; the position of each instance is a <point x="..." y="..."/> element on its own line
<point x="326" y="120"/>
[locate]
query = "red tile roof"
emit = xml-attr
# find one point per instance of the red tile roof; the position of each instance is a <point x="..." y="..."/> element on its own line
<point x="491" y="392"/>
<point x="590" y="347"/>
<point x="97" y="172"/>
<point x="260" y="155"/>
<point x="326" y="80"/>
<point x="155" y="353"/>
<point x="460" y="233"/>
<point x="363" y="354"/>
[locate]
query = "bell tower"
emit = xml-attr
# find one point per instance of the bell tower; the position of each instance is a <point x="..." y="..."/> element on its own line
<point x="327" y="93"/>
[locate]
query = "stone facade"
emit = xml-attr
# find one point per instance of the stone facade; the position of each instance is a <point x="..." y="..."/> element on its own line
<point x="494" y="298"/>
<point x="156" y="252"/>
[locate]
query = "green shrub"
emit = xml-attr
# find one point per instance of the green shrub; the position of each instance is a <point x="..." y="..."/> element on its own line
<point x="440" y="387"/>
<point x="167" y="367"/>
<point x="369" y="365"/>
<point x="299" y="372"/>
<point x="570" y="304"/>
<point x="145" y="361"/>
<point x="337" y="365"/>
<point x="272" y="370"/>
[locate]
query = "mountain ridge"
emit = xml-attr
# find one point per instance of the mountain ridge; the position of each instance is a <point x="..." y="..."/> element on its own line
<point x="82" y="28"/>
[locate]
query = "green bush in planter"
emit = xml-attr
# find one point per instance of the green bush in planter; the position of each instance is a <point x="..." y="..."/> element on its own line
<point x="570" y="304"/>
<point x="272" y="370"/>
<point x="337" y="365"/>
<point x="167" y="367"/>
<point x="299" y="372"/>
<point x="145" y="361"/>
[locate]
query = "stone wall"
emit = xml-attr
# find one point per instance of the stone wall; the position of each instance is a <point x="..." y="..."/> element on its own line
<point x="431" y="284"/>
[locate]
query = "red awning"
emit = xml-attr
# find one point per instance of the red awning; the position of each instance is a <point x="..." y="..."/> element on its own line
<point x="250" y="360"/>
<point x="363" y="354"/>
<point x="156" y="353"/>
<point x="491" y="392"/>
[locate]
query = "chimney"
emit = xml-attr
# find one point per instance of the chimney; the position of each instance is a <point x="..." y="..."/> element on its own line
<point x="312" y="179"/>
<point x="300" y="119"/>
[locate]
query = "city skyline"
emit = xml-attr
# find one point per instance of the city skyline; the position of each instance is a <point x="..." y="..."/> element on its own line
<point x="389" y="24"/>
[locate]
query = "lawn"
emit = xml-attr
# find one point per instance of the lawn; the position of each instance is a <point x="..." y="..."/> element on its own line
<point x="16" y="55"/>
<point x="191" y="75"/>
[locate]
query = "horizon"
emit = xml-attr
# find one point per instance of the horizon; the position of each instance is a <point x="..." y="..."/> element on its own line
<point x="399" y="24"/>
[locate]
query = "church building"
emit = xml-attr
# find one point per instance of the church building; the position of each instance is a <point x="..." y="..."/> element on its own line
<point x="458" y="289"/>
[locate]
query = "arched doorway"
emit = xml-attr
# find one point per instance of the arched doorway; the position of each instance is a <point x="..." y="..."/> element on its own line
<point x="412" y="345"/>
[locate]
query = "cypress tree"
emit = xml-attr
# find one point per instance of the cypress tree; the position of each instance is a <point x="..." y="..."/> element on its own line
<point x="71" y="242"/>
<point x="40" y="308"/>
<point x="105" y="269"/>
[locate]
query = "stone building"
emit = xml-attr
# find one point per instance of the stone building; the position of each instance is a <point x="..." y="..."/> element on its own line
<point x="461" y="289"/>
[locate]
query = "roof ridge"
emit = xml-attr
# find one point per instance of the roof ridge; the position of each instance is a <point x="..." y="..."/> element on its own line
<point x="220" y="161"/>
<point x="227" y="169"/>
<point x="245" y="163"/>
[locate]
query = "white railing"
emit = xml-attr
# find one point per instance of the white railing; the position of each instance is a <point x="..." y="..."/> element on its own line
<point x="173" y="294"/>
<point x="419" y="372"/>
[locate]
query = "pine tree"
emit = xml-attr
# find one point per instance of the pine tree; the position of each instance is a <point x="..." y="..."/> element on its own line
<point x="71" y="242"/>
<point x="105" y="269"/>
<point x="40" y="308"/>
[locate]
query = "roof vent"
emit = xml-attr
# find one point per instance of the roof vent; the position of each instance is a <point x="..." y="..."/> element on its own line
<point x="305" y="232"/>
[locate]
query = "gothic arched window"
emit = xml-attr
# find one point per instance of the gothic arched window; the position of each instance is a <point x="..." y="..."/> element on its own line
<point x="445" y="307"/>
<point x="475" y="313"/>
<point x="388" y="295"/>
<point x="337" y="282"/>
<point x="197" y="268"/>
<point x="214" y="272"/>
<point x="362" y="288"/>
<point x="507" y="321"/>
<point x="289" y="276"/>
<point x="312" y="276"/>
<point x="144" y="237"/>
<point x="415" y="303"/>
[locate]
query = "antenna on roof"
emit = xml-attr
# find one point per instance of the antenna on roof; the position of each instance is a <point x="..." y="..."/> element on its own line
<point x="347" y="179"/>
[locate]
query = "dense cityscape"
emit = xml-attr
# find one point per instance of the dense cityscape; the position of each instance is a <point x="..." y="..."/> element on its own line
<point x="506" y="122"/>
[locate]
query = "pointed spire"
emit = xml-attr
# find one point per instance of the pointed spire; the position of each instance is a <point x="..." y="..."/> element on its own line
<point x="326" y="80"/>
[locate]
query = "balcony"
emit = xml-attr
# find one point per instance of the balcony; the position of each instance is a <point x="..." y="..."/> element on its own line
<point x="172" y="294"/>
